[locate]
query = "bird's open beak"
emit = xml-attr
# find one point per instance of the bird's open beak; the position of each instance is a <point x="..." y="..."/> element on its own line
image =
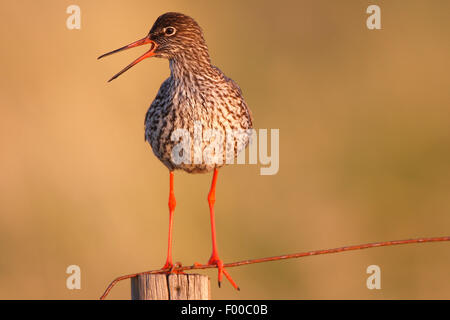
<point x="148" y="54"/>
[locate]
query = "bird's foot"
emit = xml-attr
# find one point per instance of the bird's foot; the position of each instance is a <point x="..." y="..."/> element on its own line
<point x="215" y="261"/>
<point x="169" y="267"/>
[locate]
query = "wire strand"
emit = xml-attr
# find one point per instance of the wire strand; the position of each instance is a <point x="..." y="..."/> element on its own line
<point x="178" y="268"/>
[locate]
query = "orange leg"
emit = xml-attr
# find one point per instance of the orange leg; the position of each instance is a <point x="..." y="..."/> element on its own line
<point x="172" y="205"/>
<point x="215" y="260"/>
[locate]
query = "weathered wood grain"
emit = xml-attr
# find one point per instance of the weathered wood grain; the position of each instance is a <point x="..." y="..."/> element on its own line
<point x="170" y="287"/>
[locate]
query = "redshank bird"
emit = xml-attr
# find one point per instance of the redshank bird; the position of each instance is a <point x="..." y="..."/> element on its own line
<point x="197" y="97"/>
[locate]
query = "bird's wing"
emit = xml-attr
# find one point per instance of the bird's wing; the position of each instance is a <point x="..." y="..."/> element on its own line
<point x="157" y="102"/>
<point x="246" y="113"/>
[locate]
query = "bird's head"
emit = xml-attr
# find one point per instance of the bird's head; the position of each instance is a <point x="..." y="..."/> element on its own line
<point x="173" y="35"/>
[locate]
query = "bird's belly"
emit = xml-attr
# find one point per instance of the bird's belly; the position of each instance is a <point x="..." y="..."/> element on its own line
<point x="196" y="143"/>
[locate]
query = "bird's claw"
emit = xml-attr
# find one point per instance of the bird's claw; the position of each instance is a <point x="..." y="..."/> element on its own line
<point x="172" y="268"/>
<point x="215" y="261"/>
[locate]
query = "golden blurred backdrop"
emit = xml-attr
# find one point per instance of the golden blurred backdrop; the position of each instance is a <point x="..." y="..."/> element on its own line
<point x="364" y="119"/>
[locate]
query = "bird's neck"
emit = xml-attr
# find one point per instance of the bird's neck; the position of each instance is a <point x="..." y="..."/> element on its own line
<point x="191" y="65"/>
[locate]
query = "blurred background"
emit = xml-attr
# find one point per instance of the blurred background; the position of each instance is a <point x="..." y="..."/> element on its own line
<point x="364" y="119"/>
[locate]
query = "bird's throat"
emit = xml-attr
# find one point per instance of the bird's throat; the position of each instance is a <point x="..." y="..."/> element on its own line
<point x="184" y="67"/>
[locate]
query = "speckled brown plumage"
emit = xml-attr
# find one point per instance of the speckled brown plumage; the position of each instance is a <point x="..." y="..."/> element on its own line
<point x="195" y="91"/>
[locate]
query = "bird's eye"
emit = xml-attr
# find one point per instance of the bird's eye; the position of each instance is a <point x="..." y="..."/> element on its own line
<point x="169" y="31"/>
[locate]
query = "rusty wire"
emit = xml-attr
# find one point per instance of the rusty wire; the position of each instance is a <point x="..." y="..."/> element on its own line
<point x="179" y="268"/>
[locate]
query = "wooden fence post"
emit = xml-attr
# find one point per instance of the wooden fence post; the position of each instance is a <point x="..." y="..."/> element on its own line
<point x="170" y="287"/>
